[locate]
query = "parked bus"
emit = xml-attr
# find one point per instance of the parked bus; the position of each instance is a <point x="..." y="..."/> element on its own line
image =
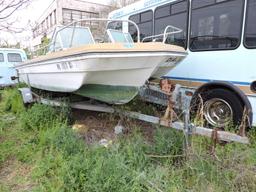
<point x="8" y="58"/>
<point x="220" y="37"/>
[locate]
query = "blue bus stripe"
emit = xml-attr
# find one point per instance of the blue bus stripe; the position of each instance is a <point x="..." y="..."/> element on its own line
<point x="207" y="80"/>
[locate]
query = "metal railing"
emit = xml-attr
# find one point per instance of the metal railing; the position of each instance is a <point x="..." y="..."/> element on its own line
<point x="165" y="34"/>
<point x="92" y="20"/>
<point x="45" y="49"/>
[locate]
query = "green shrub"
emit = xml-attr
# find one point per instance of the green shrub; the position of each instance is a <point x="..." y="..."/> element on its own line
<point x="12" y="101"/>
<point x="38" y="117"/>
<point x="61" y="138"/>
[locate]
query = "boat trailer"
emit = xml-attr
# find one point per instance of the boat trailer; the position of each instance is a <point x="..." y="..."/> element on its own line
<point x="167" y="121"/>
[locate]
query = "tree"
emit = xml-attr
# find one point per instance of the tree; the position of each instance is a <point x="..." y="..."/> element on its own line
<point x="7" y="9"/>
<point x="122" y="3"/>
<point x="126" y="2"/>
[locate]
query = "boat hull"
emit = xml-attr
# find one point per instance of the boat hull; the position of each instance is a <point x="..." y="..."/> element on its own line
<point x="109" y="72"/>
<point x="112" y="79"/>
<point x="167" y="66"/>
<point x="108" y="94"/>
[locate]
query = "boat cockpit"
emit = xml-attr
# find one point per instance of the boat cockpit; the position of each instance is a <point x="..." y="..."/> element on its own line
<point x="78" y="34"/>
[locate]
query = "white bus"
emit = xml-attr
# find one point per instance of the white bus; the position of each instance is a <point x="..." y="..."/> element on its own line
<point x="220" y="37"/>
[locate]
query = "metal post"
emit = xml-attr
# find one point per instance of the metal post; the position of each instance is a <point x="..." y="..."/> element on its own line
<point x="188" y="127"/>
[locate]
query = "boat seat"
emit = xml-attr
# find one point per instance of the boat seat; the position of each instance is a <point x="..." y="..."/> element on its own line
<point x="116" y="36"/>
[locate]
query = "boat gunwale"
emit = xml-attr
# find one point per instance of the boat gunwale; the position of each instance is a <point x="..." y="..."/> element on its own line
<point x="95" y="55"/>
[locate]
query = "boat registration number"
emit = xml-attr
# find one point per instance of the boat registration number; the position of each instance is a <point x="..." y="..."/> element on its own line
<point x="63" y="66"/>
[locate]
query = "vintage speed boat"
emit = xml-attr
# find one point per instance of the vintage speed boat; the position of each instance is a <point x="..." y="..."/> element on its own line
<point x="112" y="72"/>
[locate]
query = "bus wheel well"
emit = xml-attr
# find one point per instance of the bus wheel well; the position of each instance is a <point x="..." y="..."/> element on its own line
<point x="226" y="86"/>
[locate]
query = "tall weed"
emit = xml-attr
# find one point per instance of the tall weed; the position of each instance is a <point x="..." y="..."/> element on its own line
<point x="11" y="100"/>
<point x="41" y="116"/>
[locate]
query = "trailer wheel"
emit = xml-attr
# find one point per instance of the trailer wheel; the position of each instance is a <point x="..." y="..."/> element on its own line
<point x="221" y="107"/>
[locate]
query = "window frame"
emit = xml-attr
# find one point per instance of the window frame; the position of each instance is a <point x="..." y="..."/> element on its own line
<point x="217" y="49"/>
<point x="245" y="27"/>
<point x="2" y="61"/>
<point x="14" y="61"/>
<point x="139" y="14"/>
<point x="187" y="17"/>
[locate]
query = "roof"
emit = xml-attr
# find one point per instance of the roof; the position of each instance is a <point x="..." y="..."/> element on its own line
<point x="11" y="49"/>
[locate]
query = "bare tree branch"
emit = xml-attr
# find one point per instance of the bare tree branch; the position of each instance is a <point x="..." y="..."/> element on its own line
<point x="122" y="3"/>
<point x="7" y="8"/>
<point x="7" y="17"/>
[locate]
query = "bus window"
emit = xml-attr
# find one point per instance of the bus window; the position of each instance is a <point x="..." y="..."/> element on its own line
<point x="216" y="25"/>
<point x="250" y="29"/>
<point x="145" y="23"/>
<point x="14" y="57"/>
<point x="175" y="15"/>
<point x="116" y="25"/>
<point x="1" y="57"/>
<point x="202" y="3"/>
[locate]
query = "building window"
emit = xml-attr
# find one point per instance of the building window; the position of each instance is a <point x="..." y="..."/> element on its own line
<point x="14" y="57"/>
<point x="51" y="23"/>
<point x="175" y="15"/>
<point x="250" y="27"/>
<point x="216" y="24"/>
<point x="54" y="17"/>
<point x="46" y="23"/>
<point x="1" y="57"/>
<point x="145" y="23"/>
<point x="74" y="15"/>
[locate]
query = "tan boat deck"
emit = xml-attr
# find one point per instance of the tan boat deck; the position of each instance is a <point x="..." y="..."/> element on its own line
<point x="110" y="47"/>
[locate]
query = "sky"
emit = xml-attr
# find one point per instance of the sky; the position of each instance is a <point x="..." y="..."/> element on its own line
<point x="31" y="13"/>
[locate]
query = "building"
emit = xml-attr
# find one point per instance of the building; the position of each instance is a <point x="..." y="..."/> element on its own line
<point x="62" y="12"/>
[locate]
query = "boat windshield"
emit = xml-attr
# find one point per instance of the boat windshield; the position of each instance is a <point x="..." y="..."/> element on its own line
<point x="77" y="36"/>
<point x="73" y="37"/>
<point x="119" y="36"/>
<point x="78" y="33"/>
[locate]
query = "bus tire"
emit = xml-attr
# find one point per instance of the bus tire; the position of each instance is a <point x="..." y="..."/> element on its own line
<point x="221" y="107"/>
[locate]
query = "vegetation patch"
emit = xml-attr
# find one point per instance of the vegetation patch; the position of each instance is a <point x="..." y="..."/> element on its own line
<point x="11" y="101"/>
<point x="40" y="152"/>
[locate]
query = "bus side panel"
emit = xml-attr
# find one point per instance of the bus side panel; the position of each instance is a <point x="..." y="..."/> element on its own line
<point x="234" y="66"/>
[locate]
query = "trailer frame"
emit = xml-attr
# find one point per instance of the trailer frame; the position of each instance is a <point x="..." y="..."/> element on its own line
<point x="187" y="127"/>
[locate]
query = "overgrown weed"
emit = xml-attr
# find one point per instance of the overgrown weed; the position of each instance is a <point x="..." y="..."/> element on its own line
<point x="61" y="161"/>
<point x="11" y="101"/>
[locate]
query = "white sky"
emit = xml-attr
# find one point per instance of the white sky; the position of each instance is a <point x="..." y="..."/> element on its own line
<point x="32" y="13"/>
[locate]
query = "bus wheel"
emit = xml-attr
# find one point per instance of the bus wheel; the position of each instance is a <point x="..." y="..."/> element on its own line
<point x="222" y="107"/>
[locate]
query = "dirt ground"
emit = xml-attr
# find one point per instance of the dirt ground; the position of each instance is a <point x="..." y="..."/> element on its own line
<point x="94" y="126"/>
<point x="15" y="175"/>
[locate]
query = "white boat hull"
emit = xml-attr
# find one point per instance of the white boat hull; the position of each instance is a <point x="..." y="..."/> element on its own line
<point x="112" y="78"/>
<point x="167" y="66"/>
<point x="69" y="74"/>
<point x="108" y="72"/>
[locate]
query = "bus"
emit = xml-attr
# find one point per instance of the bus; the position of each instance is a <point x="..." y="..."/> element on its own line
<point x="220" y="38"/>
<point x="8" y="58"/>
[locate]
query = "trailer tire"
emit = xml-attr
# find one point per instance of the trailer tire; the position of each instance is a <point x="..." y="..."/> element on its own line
<point x="220" y="107"/>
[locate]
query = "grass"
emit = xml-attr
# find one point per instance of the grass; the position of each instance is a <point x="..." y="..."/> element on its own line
<point x="40" y="152"/>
